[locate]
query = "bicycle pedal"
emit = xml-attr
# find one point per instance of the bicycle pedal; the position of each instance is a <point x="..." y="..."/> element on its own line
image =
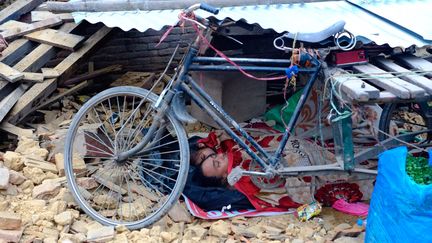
<point x="235" y="175"/>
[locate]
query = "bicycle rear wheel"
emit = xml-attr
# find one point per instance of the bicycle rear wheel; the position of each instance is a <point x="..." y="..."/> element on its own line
<point x="402" y="118"/>
<point x="136" y="191"/>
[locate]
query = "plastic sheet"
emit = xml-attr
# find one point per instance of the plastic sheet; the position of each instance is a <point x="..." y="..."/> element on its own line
<point x="400" y="209"/>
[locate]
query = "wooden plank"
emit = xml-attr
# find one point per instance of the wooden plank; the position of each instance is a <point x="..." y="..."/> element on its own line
<point x="32" y="62"/>
<point x="68" y="65"/>
<point x="10" y="74"/>
<point x="18" y="131"/>
<point x="49" y="73"/>
<point x="16" y="32"/>
<point x="41" y="15"/>
<point x="16" y="50"/>
<point x="390" y="83"/>
<point x="40" y="91"/>
<point x="417" y="63"/>
<point x="13" y="24"/>
<point x="355" y="88"/>
<point x="18" y="8"/>
<point x="56" y="38"/>
<point x="33" y="77"/>
<point x="415" y="79"/>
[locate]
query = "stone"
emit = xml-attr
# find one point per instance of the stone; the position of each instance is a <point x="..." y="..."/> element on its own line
<point x="50" y="240"/>
<point x="346" y="239"/>
<point x="11" y="190"/>
<point x="271" y="229"/>
<point x="25" y="144"/>
<point x="306" y="232"/>
<point x="13" y="161"/>
<point x="220" y="228"/>
<point x="87" y="183"/>
<point x="179" y="213"/>
<point x="46" y="190"/>
<point x="49" y="232"/>
<point x="297" y="241"/>
<point x="36" y="175"/>
<point x="79" y="226"/>
<point x="11" y="235"/>
<point x="57" y="207"/>
<point x="195" y="231"/>
<point x="77" y="162"/>
<point x="4" y="178"/>
<point x="120" y="238"/>
<point x="16" y="178"/>
<point x="343" y="226"/>
<point x="168" y="237"/>
<point x="121" y="228"/>
<point x="100" y="234"/>
<point x="4" y="205"/>
<point x="10" y="221"/>
<point x="64" y="218"/>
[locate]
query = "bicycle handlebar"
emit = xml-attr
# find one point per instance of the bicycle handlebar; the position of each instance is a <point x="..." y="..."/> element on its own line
<point x="209" y="8"/>
<point x="203" y="6"/>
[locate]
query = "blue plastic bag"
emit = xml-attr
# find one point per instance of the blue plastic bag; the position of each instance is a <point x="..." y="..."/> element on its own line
<point x="400" y="209"/>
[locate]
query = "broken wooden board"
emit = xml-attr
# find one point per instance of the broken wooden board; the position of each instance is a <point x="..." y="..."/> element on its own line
<point x="8" y="102"/>
<point x="49" y="73"/>
<point x="355" y="88"/>
<point x="33" y="77"/>
<point x="56" y="38"/>
<point x="65" y="68"/>
<point x="16" y="32"/>
<point x="10" y="74"/>
<point x="416" y="63"/>
<point x="42" y="15"/>
<point x="390" y="83"/>
<point x="415" y="79"/>
<point x="109" y="184"/>
<point x="43" y="165"/>
<point x="18" y="8"/>
<point x="13" y="24"/>
<point x="18" y="131"/>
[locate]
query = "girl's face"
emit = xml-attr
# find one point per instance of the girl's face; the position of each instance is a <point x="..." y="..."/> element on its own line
<point x="212" y="163"/>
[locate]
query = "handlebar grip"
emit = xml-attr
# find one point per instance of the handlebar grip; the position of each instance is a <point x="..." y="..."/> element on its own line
<point x="209" y="8"/>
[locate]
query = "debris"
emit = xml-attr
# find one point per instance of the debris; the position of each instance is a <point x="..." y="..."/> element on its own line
<point x="178" y="213"/>
<point x="100" y="234"/>
<point x="10" y="221"/>
<point x="220" y="228"/>
<point x="4" y="178"/>
<point x="64" y="218"/>
<point x="12" y="160"/>
<point x="46" y="190"/>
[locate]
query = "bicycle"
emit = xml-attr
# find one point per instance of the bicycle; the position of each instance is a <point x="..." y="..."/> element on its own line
<point x="135" y="150"/>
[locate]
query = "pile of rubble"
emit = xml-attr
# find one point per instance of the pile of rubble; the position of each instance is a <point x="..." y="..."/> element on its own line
<point x="36" y="206"/>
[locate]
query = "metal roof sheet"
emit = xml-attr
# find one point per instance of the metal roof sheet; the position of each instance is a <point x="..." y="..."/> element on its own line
<point x="396" y="22"/>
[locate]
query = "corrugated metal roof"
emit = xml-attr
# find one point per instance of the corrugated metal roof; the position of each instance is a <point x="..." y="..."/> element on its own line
<point x="396" y="22"/>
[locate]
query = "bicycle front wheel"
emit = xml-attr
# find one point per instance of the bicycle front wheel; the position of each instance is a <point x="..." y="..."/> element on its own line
<point x="135" y="191"/>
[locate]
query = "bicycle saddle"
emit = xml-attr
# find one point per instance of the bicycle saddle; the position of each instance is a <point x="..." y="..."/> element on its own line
<point x="318" y="36"/>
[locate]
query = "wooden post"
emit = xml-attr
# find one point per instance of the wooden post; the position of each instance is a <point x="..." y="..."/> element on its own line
<point x="125" y="5"/>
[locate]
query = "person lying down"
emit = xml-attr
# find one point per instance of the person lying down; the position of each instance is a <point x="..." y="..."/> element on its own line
<point x="212" y="159"/>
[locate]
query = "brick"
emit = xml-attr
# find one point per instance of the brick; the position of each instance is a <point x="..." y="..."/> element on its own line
<point x="100" y="234"/>
<point x="46" y="190"/>
<point x="156" y="46"/>
<point x="78" y="164"/>
<point x="16" y="178"/>
<point x="4" y="178"/>
<point x="11" y="235"/>
<point x="10" y="221"/>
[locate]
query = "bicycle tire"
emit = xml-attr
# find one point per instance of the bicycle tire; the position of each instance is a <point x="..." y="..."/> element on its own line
<point x="391" y="109"/>
<point x="136" y="167"/>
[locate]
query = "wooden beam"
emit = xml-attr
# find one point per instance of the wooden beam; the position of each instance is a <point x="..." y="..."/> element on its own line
<point x="9" y="101"/>
<point x="124" y="5"/>
<point x="18" y="8"/>
<point x="415" y="79"/>
<point x="13" y="24"/>
<point x="40" y="91"/>
<point x="417" y="63"/>
<point x="41" y="15"/>
<point x="16" y="32"/>
<point x="355" y="88"/>
<point x="49" y="73"/>
<point x="18" y="131"/>
<point x="90" y="75"/>
<point x="390" y="83"/>
<point x="33" y="77"/>
<point x="10" y="74"/>
<point x="56" y="38"/>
